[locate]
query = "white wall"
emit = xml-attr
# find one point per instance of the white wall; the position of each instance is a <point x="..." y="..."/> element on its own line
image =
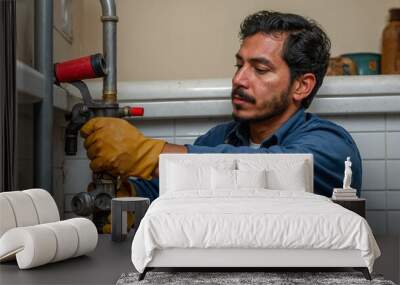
<point x="192" y="39"/>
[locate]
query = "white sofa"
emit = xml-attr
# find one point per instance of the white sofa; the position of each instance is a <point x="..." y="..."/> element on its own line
<point x="31" y="231"/>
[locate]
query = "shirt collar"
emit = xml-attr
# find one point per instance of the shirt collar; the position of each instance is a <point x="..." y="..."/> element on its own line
<point x="239" y="134"/>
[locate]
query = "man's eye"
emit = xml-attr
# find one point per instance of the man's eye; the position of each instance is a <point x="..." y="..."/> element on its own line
<point x="261" y="70"/>
<point x="238" y="66"/>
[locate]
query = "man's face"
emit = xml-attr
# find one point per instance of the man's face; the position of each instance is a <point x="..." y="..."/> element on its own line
<point x="261" y="84"/>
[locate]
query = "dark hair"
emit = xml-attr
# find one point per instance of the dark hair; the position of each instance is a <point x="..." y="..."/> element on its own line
<point x="306" y="49"/>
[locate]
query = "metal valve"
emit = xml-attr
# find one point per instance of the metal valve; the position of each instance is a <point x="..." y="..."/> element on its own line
<point x="96" y="202"/>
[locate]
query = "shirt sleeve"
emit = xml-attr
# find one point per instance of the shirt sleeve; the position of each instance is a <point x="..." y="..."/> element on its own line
<point x="146" y="188"/>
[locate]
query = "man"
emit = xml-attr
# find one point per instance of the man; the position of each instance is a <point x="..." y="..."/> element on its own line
<point x="281" y="64"/>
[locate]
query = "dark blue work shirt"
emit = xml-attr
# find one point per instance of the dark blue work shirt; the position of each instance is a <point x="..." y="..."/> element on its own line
<point x="304" y="132"/>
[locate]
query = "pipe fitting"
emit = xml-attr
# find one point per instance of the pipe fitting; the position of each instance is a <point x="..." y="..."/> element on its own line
<point x="109" y="97"/>
<point x="109" y="18"/>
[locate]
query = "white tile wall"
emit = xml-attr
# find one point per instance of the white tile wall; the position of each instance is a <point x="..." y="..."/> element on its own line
<point x="371" y="145"/>
<point x="371" y="123"/>
<point x="393" y="200"/>
<point x="77" y="175"/>
<point x="394" y="223"/>
<point x="377" y="222"/>
<point x="155" y="128"/>
<point x="185" y="140"/>
<point x="376" y="200"/>
<point x="374" y="174"/>
<point x="393" y="122"/>
<point x="196" y="127"/>
<point x="393" y="145"/>
<point x="81" y="151"/>
<point x="167" y="139"/>
<point x="393" y="174"/>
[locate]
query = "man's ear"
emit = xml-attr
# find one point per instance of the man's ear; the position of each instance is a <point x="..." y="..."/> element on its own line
<point x="303" y="86"/>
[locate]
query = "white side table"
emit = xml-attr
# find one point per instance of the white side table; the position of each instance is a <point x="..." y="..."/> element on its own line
<point x="119" y="208"/>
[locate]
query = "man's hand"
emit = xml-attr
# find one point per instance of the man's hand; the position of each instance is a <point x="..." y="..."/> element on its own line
<point x="115" y="146"/>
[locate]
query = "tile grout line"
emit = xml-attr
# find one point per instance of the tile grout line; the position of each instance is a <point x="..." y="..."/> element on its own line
<point x="386" y="177"/>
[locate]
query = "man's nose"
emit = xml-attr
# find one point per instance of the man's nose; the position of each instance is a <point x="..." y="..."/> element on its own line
<point x="241" y="78"/>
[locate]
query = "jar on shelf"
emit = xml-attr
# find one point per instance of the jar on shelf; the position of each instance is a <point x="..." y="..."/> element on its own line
<point x="390" y="61"/>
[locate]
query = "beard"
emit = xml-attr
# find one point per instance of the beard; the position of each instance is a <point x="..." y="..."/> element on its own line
<point x="275" y="107"/>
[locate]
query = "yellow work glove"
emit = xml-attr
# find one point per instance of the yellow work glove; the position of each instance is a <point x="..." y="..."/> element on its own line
<point x="117" y="147"/>
<point x="126" y="190"/>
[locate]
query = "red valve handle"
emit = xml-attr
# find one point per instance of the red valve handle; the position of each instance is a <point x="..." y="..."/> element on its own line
<point x="86" y="67"/>
<point x="136" y="111"/>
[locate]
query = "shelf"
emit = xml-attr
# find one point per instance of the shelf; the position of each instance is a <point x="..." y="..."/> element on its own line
<point x="211" y="97"/>
<point x="30" y="89"/>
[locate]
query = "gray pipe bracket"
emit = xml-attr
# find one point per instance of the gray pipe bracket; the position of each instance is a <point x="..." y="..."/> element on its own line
<point x="109" y="18"/>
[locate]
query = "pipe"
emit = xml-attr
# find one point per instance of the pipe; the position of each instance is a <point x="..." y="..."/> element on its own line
<point x="109" y="19"/>
<point x="43" y="122"/>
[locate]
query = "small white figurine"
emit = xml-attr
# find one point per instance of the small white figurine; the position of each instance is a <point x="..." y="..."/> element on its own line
<point x="347" y="174"/>
<point x="345" y="193"/>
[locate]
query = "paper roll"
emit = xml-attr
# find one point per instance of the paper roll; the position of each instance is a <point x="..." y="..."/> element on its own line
<point x="23" y="207"/>
<point x="7" y="217"/>
<point x="33" y="246"/>
<point x="66" y="237"/>
<point x="87" y="235"/>
<point x="45" y="205"/>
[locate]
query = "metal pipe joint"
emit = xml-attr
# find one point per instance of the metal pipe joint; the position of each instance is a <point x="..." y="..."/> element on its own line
<point x="109" y="18"/>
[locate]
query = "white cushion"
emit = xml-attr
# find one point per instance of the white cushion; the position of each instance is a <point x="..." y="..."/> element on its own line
<point x="183" y="178"/>
<point x="231" y="180"/>
<point x="187" y="175"/>
<point x="7" y="218"/>
<point x="32" y="246"/>
<point x="288" y="174"/>
<point x="23" y="208"/>
<point x="224" y="179"/>
<point x="254" y="162"/>
<point x="292" y="178"/>
<point x="251" y="178"/>
<point x="67" y="240"/>
<point x="40" y="244"/>
<point x="45" y="205"/>
<point x="87" y="235"/>
<point x="26" y="208"/>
